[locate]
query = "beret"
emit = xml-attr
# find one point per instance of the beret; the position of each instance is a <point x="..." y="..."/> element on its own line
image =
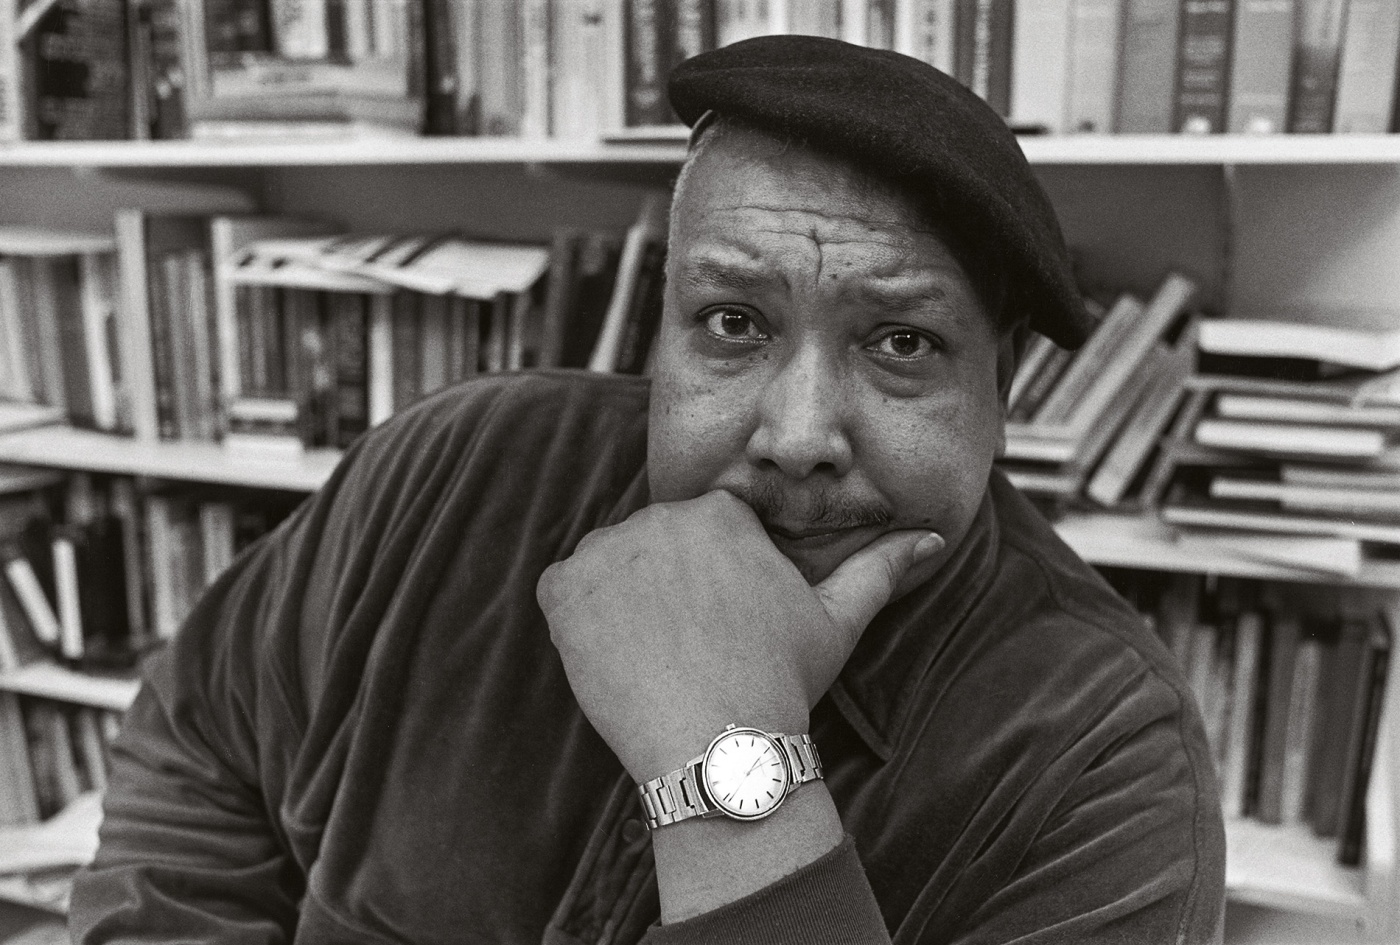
<point x="904" y="121"/>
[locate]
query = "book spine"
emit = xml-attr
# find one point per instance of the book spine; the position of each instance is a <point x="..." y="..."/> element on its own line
<point x="992" y="67"/>
<point x="1147" y="70"/>
<point x="349" y="332"/>
<point x="647" y="59"/>
<point x="501" y="72"/>
<point x="1367" y="71"/>
<point x="1316" y="56"/>
<point x="1040" y="65"/>
<point x="1353" y="823"/>
<point x="440" y="65"/>
<point x="965" y="42"/>
<point x="70" y="616"/>
<point x="1093" y="65"/>
<point x="300" y="28"/>
<point x="432" y="340"/>
<point x="406" y="383"/>
<point x="464" y="21"/>
<point x="1203" y="66"/>
<point x="694" y="29"/>
<point x="535" y="58"/>
<point x="926" y="30"/>
<point x="136" y="342"/>
<point x="880" y="19"/>
<point x="380" y="356"/>
<point x="64" y="274"/>
<point x="737" y="20"/>
<point x="1283" y="648"/>
<point x="1263" y="44"/>
<point x="99" y="327"/>
<point x="11" y="75"/>
<point x="80" y="73"/>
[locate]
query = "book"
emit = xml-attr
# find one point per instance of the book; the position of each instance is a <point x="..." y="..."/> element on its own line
<point x="1306" y="410"/>
<point x="76" y="72"/>
<point x="1203" y="66"/>
<point x="229" y="236"/>
<point x="925" y="29"/>
<point x="1259" y="72"/>
<point x="1039" y="66"/>
<point x="1343" y="675"/>
<point x="535" y="68"/>
<point x="1184" y="508"/>
<point x="1361" y="749"/>
<point x="1299" y="725"/>
<point x="1316" y="55"/>
<point x="648" y="59"/>
<point x="1147" y="66"/>
<point x="983" y="50"/>
<point x="1150" y="415"/>
<point x="11" y="95"/>
<point x="1285" y="631"/>
<point x="1239" y="737"/>
<point x="1370" y="350"/>
<point x="1383" y="504"/>
<point x="649" y="226"/>
<point x="1093" y="65"/>
<point x="1366" y="70"/>
<point x="1292" y="439"/>
<point x="588" y="94"/>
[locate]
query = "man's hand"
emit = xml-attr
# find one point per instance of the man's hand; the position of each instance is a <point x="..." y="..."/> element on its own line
<point x="686" y="617"/>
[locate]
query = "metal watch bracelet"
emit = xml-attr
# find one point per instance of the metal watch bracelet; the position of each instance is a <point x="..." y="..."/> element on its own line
<point x="680" y="795"/>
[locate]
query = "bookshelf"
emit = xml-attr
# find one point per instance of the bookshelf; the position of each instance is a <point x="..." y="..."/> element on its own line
<point x="1305" y="226"/>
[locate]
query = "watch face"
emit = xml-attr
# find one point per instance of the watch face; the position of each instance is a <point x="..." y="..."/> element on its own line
<point x="746" y="773"/>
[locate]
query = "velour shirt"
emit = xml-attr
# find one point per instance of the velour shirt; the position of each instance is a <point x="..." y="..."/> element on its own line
<point x="364" y="734"/>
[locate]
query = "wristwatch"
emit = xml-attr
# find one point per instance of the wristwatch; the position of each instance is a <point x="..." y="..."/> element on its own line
<point x="744" y="774"/>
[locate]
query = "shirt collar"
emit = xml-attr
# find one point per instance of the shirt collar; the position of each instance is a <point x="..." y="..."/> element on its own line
<point x="876" y="688"/>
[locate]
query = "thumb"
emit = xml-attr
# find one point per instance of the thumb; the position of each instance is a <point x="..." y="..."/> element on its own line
<point x="854" y="593"/>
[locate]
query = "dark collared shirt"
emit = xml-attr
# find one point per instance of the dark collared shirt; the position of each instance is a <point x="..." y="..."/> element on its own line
<point x="363" y="733"/>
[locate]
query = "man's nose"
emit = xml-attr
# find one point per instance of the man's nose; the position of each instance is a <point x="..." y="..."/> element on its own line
<point x="802" y="422"/>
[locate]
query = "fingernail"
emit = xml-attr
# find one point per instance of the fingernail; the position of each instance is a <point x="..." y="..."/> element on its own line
<point x="928" y="546"/>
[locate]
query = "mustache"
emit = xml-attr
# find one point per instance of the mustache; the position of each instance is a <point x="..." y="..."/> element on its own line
<point x="824" y="509"/>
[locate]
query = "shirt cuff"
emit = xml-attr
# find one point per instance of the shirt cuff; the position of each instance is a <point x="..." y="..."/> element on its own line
<point x="826" y="902"/>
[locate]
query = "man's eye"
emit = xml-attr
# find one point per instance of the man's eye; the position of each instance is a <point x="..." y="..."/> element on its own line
<point x="903" y="344"/>
<point x="733" y="323"/>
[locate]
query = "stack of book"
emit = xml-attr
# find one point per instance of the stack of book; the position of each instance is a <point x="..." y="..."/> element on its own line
<point x="1290" y="430"/>
<point x="95" y="576"/>
<point x="1086" y="421"/>
<point x="334" y="334"/>
<point x="1290" y="681"/>
<point x="267" y="332"/>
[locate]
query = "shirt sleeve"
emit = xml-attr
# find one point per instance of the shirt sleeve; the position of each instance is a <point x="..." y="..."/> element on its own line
<point x="826" y="902"/>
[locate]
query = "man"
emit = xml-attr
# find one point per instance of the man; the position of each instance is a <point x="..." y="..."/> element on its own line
<point x="422" y="710"/>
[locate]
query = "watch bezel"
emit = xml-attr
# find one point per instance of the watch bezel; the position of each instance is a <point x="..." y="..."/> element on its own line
<point x="704" y="772"/>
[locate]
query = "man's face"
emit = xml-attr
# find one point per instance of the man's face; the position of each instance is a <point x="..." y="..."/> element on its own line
<point x="821" y="355"/>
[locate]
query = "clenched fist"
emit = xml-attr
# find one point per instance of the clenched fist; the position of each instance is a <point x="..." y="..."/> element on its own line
<point x="686" y="617"/>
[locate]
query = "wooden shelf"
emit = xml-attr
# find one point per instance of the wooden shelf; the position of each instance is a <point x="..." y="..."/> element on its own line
<point x="668" y="147"/>
<point x="51" y="681"/>
<point x="91" y="451"/>
<point x="1289" y="868"/>
<point x="336" y="152"/>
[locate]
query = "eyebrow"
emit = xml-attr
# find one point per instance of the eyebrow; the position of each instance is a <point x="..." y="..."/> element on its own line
<point x="898" y="301"/>
<point x="705" y="273"/>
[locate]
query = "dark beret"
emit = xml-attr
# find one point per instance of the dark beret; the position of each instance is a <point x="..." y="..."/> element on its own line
<point x="904" y="121"/>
